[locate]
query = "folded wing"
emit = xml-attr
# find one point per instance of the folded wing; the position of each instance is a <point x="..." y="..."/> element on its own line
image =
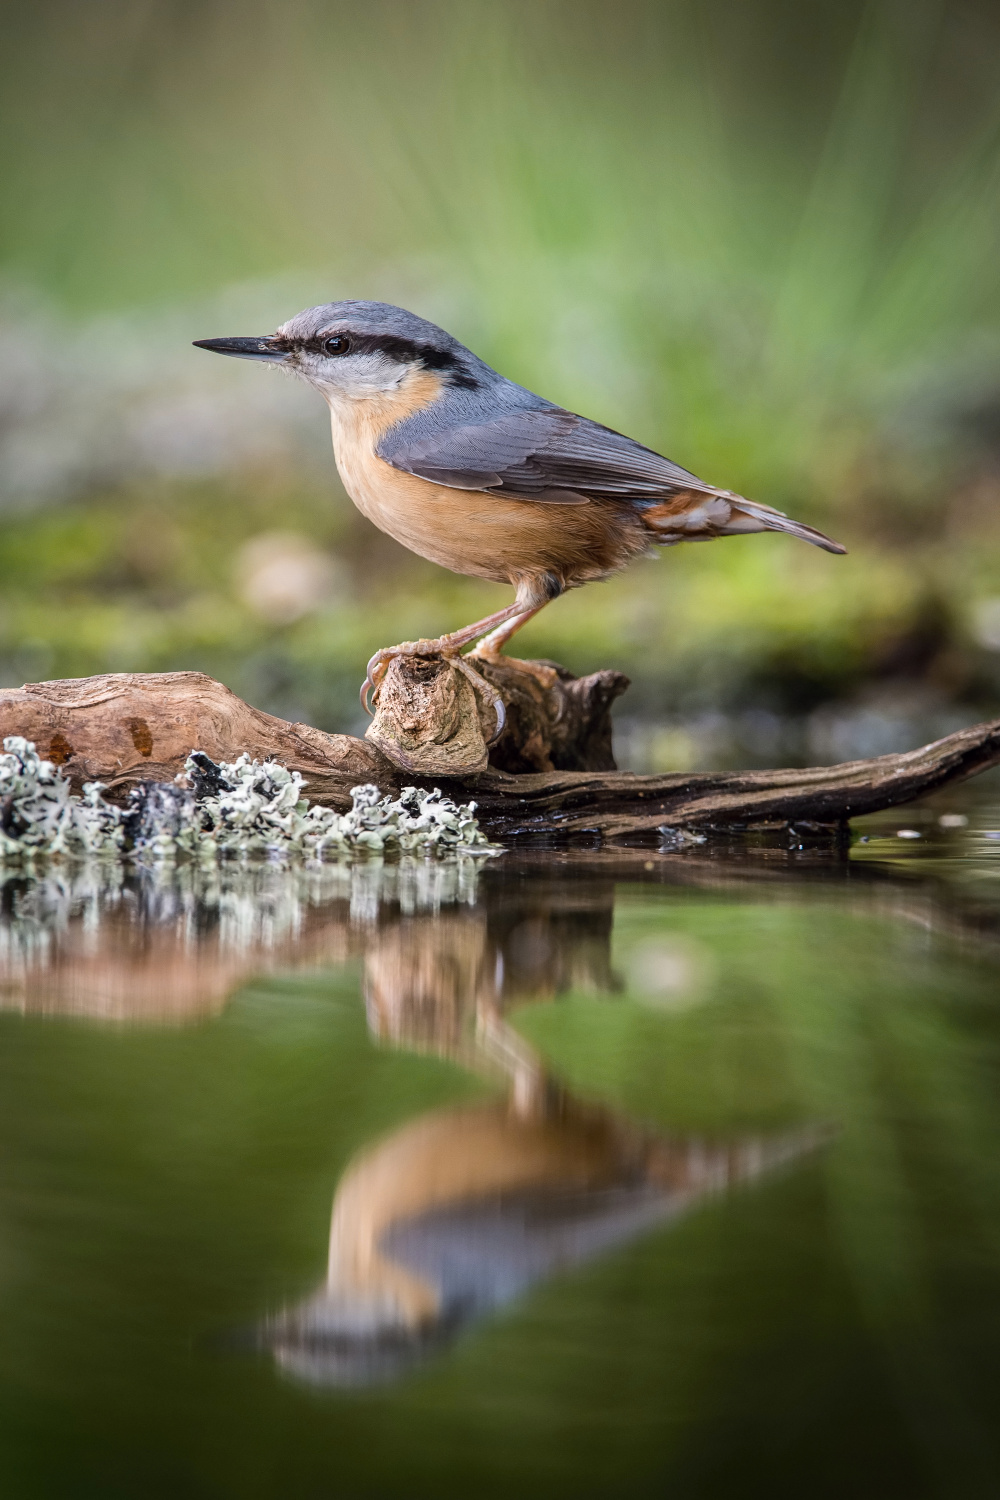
<point x="534" y="454"/>
<point x="548" y="454"/>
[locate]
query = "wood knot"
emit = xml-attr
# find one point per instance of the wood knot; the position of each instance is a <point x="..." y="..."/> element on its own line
<point x="429" y="718"/>
<point x="60" y="749"/>
<point x="142" y="736"/>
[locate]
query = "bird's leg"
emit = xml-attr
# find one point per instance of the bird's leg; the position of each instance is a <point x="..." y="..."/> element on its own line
<point x="490" y="647"/>
<point x="444" y="645"/>
<point x="534" y="591"/>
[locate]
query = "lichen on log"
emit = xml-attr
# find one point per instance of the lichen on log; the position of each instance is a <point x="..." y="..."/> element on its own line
<point x="122" y="728"/>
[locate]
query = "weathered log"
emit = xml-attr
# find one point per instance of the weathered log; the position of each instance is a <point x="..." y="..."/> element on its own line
<point x="127" y="727"/>
<point x="814" y="800"/>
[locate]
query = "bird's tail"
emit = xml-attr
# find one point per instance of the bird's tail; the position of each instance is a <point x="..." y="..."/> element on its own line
<point x="698" y="515"/>
<point x="748" y="515"/>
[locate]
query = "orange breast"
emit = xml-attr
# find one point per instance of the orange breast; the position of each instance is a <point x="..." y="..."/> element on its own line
<point x="482" y="535"/>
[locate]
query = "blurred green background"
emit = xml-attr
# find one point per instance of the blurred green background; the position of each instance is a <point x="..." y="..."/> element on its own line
<point x="760" y="237"/>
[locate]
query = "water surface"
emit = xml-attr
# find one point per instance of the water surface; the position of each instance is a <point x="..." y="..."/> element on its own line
<point x="610" y="1173"/>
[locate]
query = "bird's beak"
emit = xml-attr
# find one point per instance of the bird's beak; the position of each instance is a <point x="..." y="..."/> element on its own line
<point x="262" y="348"/>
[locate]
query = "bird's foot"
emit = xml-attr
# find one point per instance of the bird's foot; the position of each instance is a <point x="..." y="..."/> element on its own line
<point x="484" y="652"/>
<point x="379" y="665"/>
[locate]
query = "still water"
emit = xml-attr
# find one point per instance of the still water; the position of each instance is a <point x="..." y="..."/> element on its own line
<point x="620" y="1173"/>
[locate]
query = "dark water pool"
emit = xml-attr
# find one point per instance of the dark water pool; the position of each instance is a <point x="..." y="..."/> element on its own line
<point x="608" y="1174"/>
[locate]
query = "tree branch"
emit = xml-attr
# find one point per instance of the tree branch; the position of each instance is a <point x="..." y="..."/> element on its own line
<point x="126" y="727"/>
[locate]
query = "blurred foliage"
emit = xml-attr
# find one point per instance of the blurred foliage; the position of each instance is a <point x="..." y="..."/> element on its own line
<point x="156" y="580"/>
<point x="761" y="238"/>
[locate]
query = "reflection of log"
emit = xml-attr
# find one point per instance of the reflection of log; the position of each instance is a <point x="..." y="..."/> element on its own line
<point x="158" y="949"/>
<point x="133" y="976"/>
<point x="123" y="728"/>
<point x="170" y="944"/>
<point x="442" y="962"/>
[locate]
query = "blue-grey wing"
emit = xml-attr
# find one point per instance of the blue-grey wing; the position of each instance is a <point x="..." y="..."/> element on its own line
<point x="542" y="454"/>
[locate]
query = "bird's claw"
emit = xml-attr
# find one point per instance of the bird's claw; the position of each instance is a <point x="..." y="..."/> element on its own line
<point x="379" y="665"/>
<point x="370" y="685"/>
<point x="489" y="692"/>
<point x="373" y="679"/>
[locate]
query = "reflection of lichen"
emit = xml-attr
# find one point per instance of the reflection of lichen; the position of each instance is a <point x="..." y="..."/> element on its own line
<point x="120" y="940"/>
<point x="230" y="810"/>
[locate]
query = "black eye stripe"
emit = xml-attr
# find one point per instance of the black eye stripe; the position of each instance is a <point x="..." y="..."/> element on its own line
<point x="402" y="349"/>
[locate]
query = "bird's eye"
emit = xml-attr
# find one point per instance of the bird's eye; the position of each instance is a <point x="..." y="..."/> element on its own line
<point x="338" y="344"/>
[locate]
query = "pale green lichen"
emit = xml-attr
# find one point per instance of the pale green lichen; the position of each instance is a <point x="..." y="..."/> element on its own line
<point x="257" y="807"/>
<point x="40" y="815"/>
<point x="243" y="809"/>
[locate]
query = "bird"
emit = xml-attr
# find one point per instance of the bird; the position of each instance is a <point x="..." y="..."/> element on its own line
<point x="482" y="476"/>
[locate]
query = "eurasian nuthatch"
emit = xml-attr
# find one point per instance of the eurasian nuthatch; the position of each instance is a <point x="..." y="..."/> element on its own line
<point x="478" y="474"/>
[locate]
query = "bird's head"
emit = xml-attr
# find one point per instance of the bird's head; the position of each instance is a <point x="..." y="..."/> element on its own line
<point x="361" y="351"/>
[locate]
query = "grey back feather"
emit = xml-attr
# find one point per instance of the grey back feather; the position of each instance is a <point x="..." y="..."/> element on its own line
<point x="532" y="452"/>
<point x="487" y="433"/>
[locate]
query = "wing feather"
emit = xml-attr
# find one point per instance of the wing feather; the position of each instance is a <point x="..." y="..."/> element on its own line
<point x="538" y="454"/>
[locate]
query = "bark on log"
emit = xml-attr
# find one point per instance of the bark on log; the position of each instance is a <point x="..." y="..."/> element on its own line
<point x="127" y="727"/>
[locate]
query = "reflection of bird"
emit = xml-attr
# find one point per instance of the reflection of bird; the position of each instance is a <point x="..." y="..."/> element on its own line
<point x="457" y="1213"/>
<point x="460" y="1212"/>
<point x="478" y="474"/>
